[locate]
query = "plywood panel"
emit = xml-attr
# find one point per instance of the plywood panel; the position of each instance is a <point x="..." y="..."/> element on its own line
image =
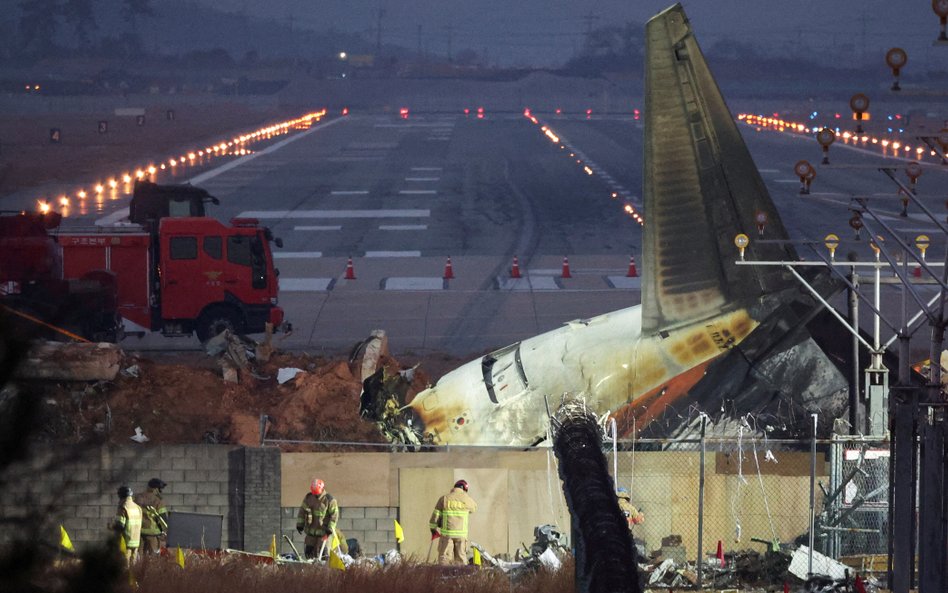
<point x="535" y="498"/>
<point x="418" y="491"/>
<point x="488" y="488"/>
<point x="355" y="479"/>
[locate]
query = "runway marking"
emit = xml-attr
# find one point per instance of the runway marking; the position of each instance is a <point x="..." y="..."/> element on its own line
<point x="417" y="192"/>
<point x="426" y="168"/>
<point x="306" y="284"/>
<point x="422" y="179"/>
<point x="768" y="170"/>
<point x="414" y="283"/>
<point x="349" y="192"/>
<point x="297" y="254"/>
<point x="624" y="282"/>
<point x="392" y="254"/>
<point x="786" y="181"/>
<point x="403" y="227"/>
<point x="317" y="228"/>
<point x="271" y="214"/>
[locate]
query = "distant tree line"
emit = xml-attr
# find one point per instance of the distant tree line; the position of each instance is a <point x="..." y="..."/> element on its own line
<point x="42" y="23"/>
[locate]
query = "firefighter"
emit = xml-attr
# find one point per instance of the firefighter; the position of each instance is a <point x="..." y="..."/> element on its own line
<point x="318" y="516"/>
<point x="449" y="521"/>
<point x="154" y="517"/>
<point x="128" y="523"/>
<point x="632" y="515"/>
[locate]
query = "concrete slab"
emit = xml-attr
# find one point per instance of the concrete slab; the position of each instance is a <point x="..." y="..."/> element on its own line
<point x="414" y="283"/>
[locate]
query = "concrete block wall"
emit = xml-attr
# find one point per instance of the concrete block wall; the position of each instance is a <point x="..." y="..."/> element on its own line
<point x="373" y="526"/>
<point x="78" y="489"/>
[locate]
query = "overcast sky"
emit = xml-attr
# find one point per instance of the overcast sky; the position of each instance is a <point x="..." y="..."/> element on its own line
<point x="546" y="32"/>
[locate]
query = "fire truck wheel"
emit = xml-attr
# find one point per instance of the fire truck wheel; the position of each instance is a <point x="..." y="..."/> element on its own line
<point x="215" y="320"/>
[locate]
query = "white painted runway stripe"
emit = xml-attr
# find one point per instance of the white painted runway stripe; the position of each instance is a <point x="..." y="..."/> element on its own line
<point x="768" y="170"/>
<point x="318" y="228"/>
<point x="786" y="181"/>
<point x="426" y="168"/>
<point x="432" y="283"/>
<point x="306" y="284"/>
<point x="622" y="282"/>
<point x="403" y="227"/>
<point x="271" y="214"/>
<point x="392" y="254"/>
<point x="422" y="178"/>
<point x="417" y="192"/>
<point x="349" y="192"/>
<point x="297" y="254"/>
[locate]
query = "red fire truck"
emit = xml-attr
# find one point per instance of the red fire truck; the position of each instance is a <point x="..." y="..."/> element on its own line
<point x="35" y="295"/>
<point x="189" y="274"/>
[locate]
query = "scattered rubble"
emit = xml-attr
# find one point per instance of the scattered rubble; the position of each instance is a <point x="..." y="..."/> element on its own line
<point x="185" y="397"/>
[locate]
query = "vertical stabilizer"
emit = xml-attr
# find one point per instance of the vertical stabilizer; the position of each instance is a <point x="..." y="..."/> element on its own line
<point x="701" y="189"/>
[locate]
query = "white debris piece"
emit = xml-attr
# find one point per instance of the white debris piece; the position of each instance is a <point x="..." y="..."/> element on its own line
<point x="821" y="565"/>
<point x="769" y="456"/>
<point x="139" y="436"/>
<point x="548" y="559"/>
<point x="659" y="573"/>
<point x="132" y="371"/>
<point x="287" y="373"/>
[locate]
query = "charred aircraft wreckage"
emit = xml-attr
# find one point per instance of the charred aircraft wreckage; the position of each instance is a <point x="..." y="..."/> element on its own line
<point x="710" y="336"/>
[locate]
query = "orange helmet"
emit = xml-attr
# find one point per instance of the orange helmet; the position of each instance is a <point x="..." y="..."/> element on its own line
<point x="317" y="486"/>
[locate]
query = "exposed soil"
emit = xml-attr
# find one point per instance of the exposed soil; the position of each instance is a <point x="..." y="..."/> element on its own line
<point x="182" y="398"/>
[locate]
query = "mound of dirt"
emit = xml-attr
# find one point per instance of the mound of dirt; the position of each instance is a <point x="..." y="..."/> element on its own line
<point x="182" y="398"/>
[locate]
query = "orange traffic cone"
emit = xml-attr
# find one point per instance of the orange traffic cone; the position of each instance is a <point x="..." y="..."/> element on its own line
<point x="515" y="268"/>
<point x="632" y="273"/>
<point x="448" y="270"/>
<point x="720" y="553"/>
<point x="350" y="271"/>
<point x="566" y="273"/>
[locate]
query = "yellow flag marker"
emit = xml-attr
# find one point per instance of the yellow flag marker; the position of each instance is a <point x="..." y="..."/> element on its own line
<point x="477" y="557"/>
<point x="334" y="543"/>
<point x="180" y="557"/>
<point x="335" y="561"/>
<point x="64" y="541"/>
<point x="399" y="534"/>
<point x="273" y="547"/>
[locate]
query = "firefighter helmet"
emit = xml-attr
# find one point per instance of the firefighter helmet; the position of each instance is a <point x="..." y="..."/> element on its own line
<point x="124" y="492"/>
<point x="157" y="483"/>
<point x="317" y="486"/>
<point x="462" y="484"/>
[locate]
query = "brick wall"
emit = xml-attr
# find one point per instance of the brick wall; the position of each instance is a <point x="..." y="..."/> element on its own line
<point x="372" y="526"/>
<point x="78" y="489"/>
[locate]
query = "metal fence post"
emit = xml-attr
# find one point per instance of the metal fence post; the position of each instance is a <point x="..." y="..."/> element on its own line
<point x="809" y="569"/>
<point x="700" y="560"/>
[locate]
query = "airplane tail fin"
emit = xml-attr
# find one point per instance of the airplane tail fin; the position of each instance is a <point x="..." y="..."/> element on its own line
<point x="701" y="189"/>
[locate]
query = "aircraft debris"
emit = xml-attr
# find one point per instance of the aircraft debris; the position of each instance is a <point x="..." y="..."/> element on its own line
<point x="62" y="361"/>
<point x="139" y="436"/>
<point x="287" y="373"/>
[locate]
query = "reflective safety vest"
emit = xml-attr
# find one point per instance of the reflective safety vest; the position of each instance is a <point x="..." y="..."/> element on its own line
<point x="450" y="515"/>
<point x="318" y="514"/>
<point x="129" y="522"/>
<point x="154" y="519"/>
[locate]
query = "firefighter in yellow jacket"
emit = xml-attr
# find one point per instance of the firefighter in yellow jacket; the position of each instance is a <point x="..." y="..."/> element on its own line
<point x="154" y="517"/>
<point x="449" y="521"/>
<point x="318" y="516"/>
<point x="128" y="523"/>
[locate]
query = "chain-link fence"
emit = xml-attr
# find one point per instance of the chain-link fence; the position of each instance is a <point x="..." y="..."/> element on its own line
<point x="749" y="493"/>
